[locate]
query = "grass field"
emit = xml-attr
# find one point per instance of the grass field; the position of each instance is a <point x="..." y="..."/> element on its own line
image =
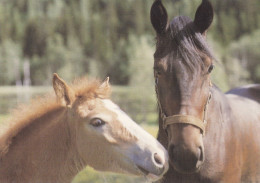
<point x="139" y="104"/>
<point x="4" y="117"/>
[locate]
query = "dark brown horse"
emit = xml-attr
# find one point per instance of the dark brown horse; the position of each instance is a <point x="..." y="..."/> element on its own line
<point x="210" y="136"/>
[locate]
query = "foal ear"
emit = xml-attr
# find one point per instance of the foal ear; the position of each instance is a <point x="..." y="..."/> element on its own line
<point x="105" y="85"/>
<point x="159" y="17"/>
<point x="204" y="16"/>
<point x="64" y="93"/>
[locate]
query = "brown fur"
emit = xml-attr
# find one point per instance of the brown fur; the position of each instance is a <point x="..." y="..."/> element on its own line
<point x="23" y="116"/>
<point x="23" y="145"/>
<point x="230" y="150"/>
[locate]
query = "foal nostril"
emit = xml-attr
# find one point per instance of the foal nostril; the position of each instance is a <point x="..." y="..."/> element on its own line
<point x="158" y="160"/>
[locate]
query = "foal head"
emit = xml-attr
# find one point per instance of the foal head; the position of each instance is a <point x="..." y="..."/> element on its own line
<point x="106" y="138"/>
<point x="182" y="66"/>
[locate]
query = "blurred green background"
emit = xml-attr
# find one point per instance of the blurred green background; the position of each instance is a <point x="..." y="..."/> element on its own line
<point x="113" y="38"/>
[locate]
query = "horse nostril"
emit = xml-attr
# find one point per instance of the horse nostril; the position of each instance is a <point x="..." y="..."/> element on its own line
<point x="200" y="157"/>
<point x="158" y="159"/>
<point x="201" y="154"/>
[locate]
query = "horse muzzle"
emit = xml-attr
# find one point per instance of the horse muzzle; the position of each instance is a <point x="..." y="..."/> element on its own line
<point x="186" y="160"/>
<point x="187" y="153"/>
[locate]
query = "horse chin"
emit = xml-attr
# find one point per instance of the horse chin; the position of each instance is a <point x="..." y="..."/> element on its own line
<point x="185" y="171"/>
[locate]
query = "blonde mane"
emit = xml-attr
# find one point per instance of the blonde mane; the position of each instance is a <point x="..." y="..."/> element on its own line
<point x="24" y="115"/>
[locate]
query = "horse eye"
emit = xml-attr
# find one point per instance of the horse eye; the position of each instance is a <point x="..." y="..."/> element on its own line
<point x="96" y="122"/>
<point x="158" y="73"/>
<point x="211" y="67"/>
<point x="156" y="80"/>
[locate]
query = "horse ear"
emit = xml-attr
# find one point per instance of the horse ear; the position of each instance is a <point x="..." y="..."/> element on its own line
<point x="105" y="84"/>
<point x="204" y="16"/>
<point x="159" y="17"/>
<point x="64" y="93"/>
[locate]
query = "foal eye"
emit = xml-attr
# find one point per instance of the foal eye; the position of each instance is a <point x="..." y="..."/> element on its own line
<point x="96" y="122"/>
<point x="211" y="67"/>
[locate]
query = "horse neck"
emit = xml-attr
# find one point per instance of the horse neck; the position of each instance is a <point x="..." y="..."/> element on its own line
<point x="47" y="144"/>
<point x="219" y="112"/>
<point x="236" y="134"/>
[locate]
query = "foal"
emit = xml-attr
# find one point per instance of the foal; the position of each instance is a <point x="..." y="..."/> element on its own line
<point x="52" y="140"/>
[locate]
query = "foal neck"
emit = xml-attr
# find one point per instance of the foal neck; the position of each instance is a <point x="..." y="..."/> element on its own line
<point x="43" y="151"/>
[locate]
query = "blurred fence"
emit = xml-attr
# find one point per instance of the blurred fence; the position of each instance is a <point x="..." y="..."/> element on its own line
<point x="138" y="102"/>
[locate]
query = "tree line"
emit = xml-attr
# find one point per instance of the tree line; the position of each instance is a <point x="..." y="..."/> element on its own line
<point x="104" y="37"/>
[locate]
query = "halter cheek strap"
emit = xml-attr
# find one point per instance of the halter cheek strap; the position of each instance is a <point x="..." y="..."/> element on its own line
<point x="187" y="119"/>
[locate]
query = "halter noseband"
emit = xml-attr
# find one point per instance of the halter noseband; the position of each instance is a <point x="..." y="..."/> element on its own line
<point x="185" y="119"/>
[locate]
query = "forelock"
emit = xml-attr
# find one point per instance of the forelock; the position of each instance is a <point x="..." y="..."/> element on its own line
<point x="188" y="43"/>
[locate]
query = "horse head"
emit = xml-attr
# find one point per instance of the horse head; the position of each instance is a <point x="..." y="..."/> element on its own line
<point x="182" y="66"/>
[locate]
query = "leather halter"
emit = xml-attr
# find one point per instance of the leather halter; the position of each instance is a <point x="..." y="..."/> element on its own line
<point x="184" y="119"/>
